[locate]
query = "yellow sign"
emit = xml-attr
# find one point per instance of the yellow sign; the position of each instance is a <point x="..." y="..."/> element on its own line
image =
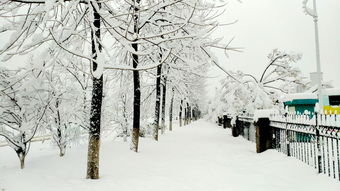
<point x="331" y="109"/>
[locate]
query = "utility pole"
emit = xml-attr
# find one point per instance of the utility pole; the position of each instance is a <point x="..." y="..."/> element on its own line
<point x="313" y="13"/>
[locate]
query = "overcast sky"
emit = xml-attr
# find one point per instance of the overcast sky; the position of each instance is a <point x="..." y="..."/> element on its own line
<point x="267" y="24"/>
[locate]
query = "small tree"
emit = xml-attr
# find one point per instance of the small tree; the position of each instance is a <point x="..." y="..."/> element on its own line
<point x="67" y="114"/>
<point x="23" y="107"/>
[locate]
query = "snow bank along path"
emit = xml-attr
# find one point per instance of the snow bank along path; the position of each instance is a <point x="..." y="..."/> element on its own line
<point x="197" y="157"/>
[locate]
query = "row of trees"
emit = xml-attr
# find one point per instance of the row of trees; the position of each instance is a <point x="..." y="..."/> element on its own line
<point x="98" y="64"/>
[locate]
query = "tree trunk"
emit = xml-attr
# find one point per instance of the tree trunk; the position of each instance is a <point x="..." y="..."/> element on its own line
<point x="125" y="124"/>
<point x="185" y="115"/>
<point x="158" y="102"/>
<point x="62" y="150"/>
<point x="21" y="152"/>
<point x="22" y="160"/>
<point x="94" y="132"/>
<point x="93" y="156"/>
<point x="171" y="108"/>
<point x="61" y="139"/>
<point x="136" y="89"/>
<point x="180" y="113"/>
<point x="189" y="114"/>
<point x="194" y="114"/>
<point x="125" y="134"/>
<point x="96" y="105"/>
<point x="163" y="104"/>
<point x="125" y="128"/>
<point x="136" y="104"/>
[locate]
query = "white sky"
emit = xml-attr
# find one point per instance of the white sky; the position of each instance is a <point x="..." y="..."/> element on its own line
<point x="267" y="24"/>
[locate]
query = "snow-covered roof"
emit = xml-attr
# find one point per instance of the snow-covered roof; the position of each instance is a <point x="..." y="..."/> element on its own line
<point x="331" y="91"/>
<point x="309" y="95"/>
<point x="290" y="97"/>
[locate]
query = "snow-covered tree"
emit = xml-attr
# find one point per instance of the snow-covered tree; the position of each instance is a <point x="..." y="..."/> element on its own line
<point x="67" y="116"/>
<point x="118" y="103"/>
<point x="123" y="35"/>
<point x="246" y="92"/>
<point x="24" y="104"/>
<point x="68" y="24"/>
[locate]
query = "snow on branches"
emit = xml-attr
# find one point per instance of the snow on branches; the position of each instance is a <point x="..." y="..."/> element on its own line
<point x="249" y="92"/>
<point x="87" y="39"/>
<point x="23" y="107"/>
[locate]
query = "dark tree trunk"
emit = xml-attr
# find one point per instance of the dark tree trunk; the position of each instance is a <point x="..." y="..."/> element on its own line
<point x="94" y="131"/>
<point x="136" y="103"/>
<point x="96" y="105"/>
<point x="180" y="113"/>
<point x="189" y="114"/>
<point x="171" y="108"/>
<point x="21" y="150"/>
<point x="158" y="102"/>
<point x="136" y="89"/>
<point x="186" y="115"/>
<point x="163" y="104"/>
<point x="60" y="137"/>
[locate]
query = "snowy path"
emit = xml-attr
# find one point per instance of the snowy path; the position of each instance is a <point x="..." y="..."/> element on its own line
<point x="198" y="157"/>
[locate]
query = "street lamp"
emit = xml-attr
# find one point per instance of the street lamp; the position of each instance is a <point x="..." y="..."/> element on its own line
<point x="313" y="13"/>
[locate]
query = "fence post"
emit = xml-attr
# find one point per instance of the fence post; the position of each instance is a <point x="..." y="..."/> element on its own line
<point x="225" y="120"/>
<point x="229" y="122"/>
<point x="219" y="120"/>
<point x="240" y="127"/>
<point x="247" y="125"/>
<point x="235" y="128"/>
<point x="287" y="136"/>
<point x="318" y="145"/>
<point x="263" y="135"/>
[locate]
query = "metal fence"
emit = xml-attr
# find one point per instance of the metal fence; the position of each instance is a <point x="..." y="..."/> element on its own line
<point x="311" y="139"/>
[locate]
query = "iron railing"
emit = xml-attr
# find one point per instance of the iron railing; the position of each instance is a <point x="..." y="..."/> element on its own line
<point x="311" y="139"/>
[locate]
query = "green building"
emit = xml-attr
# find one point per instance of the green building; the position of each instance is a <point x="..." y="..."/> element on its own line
<point x="299" y="103"/>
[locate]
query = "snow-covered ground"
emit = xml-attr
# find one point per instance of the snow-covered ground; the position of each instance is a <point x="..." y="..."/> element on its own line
<point x="198" y="157"/>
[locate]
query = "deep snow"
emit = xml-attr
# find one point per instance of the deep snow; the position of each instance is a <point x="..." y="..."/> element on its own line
<point x="197" y="157"/>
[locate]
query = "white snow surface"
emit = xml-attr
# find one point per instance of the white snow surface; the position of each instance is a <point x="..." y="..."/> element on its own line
<point x="197" y="157"/>
<point x="264" y="113"/>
